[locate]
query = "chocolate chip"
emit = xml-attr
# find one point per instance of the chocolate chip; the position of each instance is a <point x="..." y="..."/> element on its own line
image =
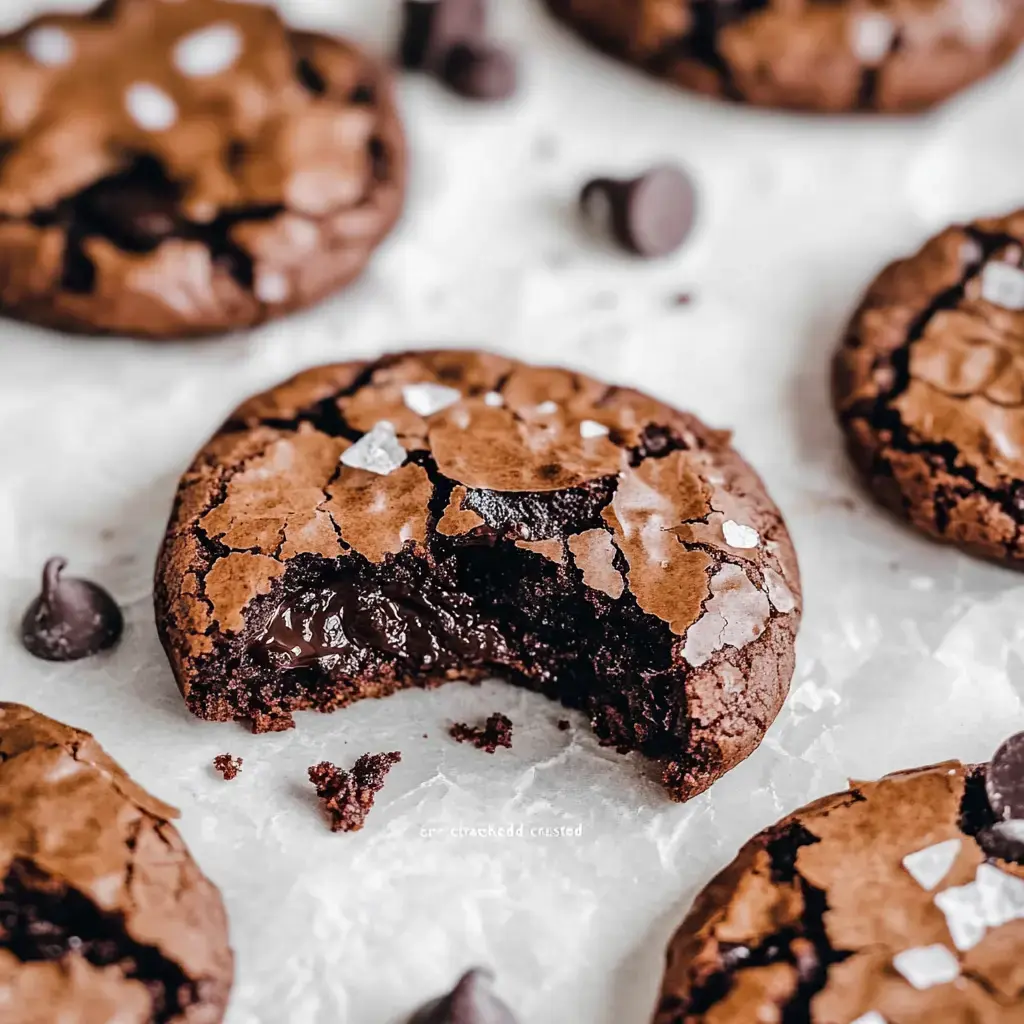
<point x="1004" y="840"/>
<point x="137" y="209"/>
<point x="480" y="71"/>
<point x="470" y="1002"/>
<point x="1004" y="780"/>
<point x="431" y="28"/>
<point x="651" y="215"/>
<point x="71" y="619"/>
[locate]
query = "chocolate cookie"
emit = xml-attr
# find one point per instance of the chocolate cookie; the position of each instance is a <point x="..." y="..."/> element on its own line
<point x="187" y="167"/>
<point x="881" y="905"/>
<point x="929" y="386"/>
<point x="824" y="55"/>
<point x="368" y="527"/>
<point x="104" y="915"/>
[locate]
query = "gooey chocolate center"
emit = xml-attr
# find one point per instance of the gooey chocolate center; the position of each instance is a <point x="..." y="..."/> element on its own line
<point x="429" y="631"/>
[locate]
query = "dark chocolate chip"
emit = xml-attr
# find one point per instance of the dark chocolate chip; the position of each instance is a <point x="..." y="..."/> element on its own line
<point x="470" y="1002"/>
<point x="651" y="215"/>
<point x="1004" y="780"/>
<point x="431" y="28"/>
<point x="137" y="209"/>
<point x="71" y="619"/>
<point x="480" y="71"/>
<point x="1004" y="840"/>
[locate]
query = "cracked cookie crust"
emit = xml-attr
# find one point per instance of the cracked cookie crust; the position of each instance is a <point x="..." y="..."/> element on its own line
<point x="929" y="388"/>
<point x="187" y="168"/>
<point x="456" y="515"/>
<point x="819" y="55"/>
<point x="860" y="909"/>
<point x="103" y="913"/>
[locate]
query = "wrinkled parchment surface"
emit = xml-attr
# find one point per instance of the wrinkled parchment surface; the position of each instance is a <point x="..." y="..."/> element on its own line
<point x="909" y="652"/>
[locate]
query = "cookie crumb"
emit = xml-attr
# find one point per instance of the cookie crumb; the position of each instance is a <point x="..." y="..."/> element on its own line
<point x="348" y="796"/>
<point x="564" y="725"/>
<point x="228" y="765"/>
<point x="496" y="732"/>
<point x="681" y="299"/>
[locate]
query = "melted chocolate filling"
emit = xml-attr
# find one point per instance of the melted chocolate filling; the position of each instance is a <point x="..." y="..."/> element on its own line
<point x="428" y="631"/>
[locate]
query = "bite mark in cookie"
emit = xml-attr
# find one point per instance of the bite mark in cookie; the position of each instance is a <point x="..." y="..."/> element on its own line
<point x="183" y="168"/>
<point x="492" y="537"/>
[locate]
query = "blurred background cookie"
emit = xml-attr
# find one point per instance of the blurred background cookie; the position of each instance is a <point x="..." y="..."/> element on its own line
<point x="808" y="54"/>
<point x="175" y="169"/>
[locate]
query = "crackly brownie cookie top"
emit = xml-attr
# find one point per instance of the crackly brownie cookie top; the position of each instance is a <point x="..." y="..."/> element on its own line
<point x="929" y="385"/>
<point x="458" y="514"/>
<point x="173" y="167"/>
<point x="103" y="913"/>
<point x="828" y="55"/>
<point x="899" y="901"/>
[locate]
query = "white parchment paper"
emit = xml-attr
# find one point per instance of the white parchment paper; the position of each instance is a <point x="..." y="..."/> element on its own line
<point x="909" y="652"/>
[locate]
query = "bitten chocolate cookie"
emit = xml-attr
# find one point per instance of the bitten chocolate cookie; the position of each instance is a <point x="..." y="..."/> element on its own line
<point x="367" y="527"/>
<point x="929" y="386"/>
<point x="104" y="915"/>
<point x="824" y="55"/>
<point x="890" y="903"/>
<point x="188" y="167"/>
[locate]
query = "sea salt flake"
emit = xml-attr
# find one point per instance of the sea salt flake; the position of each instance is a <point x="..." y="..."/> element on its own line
<point x="548" y="408"/>
<point x="494" y="400"/>
<point x="377" y="451"/>
<point x="1003" y="285"/>
<point x="50" y="46"/>
<point x="871" y="37"/>
<point x="993" y="899"/>
<point x="778" y="591"/>
<point x="871" y="1017"/>
<point x="739" y="536"/>
<point x="150" y="107"/>
<point x="426" y="399"/>
<point x="930" y="866"/>
<point x="271" y="287"/>
<point x="735" y="615"/>
<point x="209" y="51"/>
<point x="591" y="428"/>
<point x="927" y="966"/>
<point x="1010" y="829"/>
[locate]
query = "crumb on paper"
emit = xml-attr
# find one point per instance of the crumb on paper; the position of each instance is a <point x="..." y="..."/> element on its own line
<point x="496" y="732"/>
<point x="348" y="796"/>
<point x="681" y="299"/>
<point x="228" y="765"/>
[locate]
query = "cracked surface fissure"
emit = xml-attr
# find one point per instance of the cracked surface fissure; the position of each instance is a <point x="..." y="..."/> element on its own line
<point x="40" y="922"/>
